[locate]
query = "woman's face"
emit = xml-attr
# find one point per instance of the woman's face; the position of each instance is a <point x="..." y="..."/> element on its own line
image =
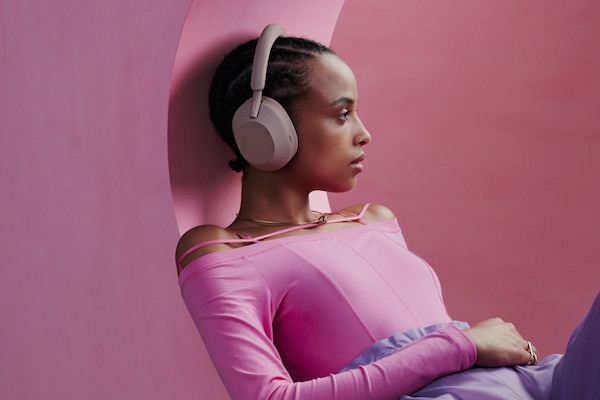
<point x="330" y="134"/>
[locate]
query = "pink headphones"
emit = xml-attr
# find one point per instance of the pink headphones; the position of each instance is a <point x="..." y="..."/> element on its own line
<point x="262" y="128"/>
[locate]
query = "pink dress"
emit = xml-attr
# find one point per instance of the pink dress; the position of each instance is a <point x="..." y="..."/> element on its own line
<point x="283" y="316"/>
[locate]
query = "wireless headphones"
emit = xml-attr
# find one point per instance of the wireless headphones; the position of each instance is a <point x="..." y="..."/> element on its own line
<point x="262" y="129"/>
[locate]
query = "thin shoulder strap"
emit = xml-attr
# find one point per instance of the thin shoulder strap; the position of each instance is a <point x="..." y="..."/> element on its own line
<point x="207" y="243"/>
<point x="355" y="217"/>
<point x="248" y="239"/>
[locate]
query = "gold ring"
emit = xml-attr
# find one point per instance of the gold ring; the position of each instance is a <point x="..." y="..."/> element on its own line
<point x="533" y="357"/>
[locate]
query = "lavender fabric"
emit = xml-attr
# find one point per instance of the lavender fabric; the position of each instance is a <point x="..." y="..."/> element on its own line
<point x="528" y="382"/>
<point x="576" y="375"/>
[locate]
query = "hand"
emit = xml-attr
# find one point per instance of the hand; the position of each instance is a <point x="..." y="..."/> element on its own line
<point x="498" y="344"/>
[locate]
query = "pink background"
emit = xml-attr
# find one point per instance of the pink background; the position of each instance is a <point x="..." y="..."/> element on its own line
<point x="486" y="144"/>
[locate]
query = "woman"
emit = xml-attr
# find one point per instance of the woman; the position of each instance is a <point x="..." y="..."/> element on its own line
<point x="294" y="304"/>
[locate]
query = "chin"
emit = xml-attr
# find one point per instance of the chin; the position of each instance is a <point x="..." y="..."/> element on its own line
<point x="341" y="188"/>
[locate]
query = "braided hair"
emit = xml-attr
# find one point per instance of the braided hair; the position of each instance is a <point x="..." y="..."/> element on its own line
<point x="288" y="75"/>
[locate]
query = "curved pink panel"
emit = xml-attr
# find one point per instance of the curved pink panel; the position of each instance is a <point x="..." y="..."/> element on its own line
<point x="204" y="189"/>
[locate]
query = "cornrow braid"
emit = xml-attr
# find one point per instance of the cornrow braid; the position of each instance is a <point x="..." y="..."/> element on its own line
<point x="288" y="75"/>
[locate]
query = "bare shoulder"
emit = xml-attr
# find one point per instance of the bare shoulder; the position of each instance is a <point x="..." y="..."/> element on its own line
<point x="378" y="213"/>
<point x="201" y="234"/>
<point x="375" y="212"/>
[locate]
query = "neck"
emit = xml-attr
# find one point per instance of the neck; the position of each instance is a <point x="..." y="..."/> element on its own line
<point x="270" y="197"/>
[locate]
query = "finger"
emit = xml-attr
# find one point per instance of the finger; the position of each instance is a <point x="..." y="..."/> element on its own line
<point x="532" y="354"/>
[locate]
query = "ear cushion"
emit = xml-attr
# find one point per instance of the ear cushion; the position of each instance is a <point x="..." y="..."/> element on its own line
<point x="269" y="141"/>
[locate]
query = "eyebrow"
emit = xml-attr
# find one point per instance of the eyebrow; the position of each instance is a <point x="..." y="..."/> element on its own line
<point x="344" y="100"/>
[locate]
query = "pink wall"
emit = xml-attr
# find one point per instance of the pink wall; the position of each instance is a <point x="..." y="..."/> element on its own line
<point x="485" y="144"/>
<point x="89" y="302"/>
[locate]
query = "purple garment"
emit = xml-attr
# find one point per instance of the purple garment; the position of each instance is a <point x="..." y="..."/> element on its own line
<point x="525" y="383"/>
<point x="574" y="376"/>
<point x="577" y="376"/>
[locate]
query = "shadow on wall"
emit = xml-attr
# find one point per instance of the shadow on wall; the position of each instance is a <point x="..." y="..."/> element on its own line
<point x="197" y="156"/>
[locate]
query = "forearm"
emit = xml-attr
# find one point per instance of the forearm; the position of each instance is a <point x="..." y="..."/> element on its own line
<point x="441" y="353"/>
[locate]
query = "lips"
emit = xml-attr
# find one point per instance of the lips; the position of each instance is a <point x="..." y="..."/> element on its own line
<point x="357" y="163"/>
<point x="359" y="159"/>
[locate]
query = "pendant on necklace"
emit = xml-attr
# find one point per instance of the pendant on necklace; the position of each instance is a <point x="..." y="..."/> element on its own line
<point x="322" y="219"/>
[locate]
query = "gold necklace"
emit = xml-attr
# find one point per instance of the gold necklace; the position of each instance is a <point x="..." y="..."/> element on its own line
<point x="322" y="219"/>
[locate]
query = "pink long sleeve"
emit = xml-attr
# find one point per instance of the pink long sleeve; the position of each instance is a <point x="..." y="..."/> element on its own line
<point x="281" y="317"/>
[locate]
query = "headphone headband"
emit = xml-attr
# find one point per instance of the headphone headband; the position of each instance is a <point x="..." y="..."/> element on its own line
<point x="261" y="61"/>
<point x="261" y="54"/>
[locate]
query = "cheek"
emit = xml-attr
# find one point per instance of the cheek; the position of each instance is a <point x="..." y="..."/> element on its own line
<point x="320" y="140"/>
<point x="310" y="139"/>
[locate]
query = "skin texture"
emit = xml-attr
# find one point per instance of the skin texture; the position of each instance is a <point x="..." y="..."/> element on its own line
<point x="331" y="134"/>
<point x="498" y="344"/>
<point x="331" y="140"/>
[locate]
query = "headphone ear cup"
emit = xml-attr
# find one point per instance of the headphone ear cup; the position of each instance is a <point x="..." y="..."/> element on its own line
<point x="269" y="141"/>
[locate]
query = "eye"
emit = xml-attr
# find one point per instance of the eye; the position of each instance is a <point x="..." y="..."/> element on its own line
<point x="345" y="114"/>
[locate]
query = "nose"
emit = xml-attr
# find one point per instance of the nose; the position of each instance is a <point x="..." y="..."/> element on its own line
<point x="362" y="136"/>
